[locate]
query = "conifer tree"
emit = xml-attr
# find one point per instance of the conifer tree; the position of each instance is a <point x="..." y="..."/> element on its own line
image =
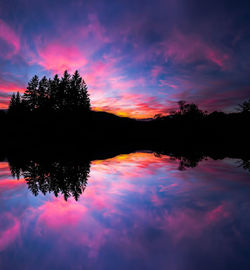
<point x="31" y="94"/>
<point x="53" y="93"/>
<point x="16" y="104"/>
<point x="84" y="97"/>
<point x="42" y="94"/>
<point x="63" y="93"/>
<point x="12" y="104"/>
<point x="66" y="94"/>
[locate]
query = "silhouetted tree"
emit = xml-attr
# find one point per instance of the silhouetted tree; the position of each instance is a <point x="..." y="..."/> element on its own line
<point x="84" y="96"/>
<point x="64" y="92"/>
<point x="191" y="110"/>
<point x="54" y="93"/>
<point x="245" y="106"/>
<point x="31" y="94"/>
<point x="181" y="104"/>
<point x="158" y="116"/>
<point x="42" y="94"/>
<point x="68" y="94"/>
<point x="16" y="105"/>
<point x="77" y="94"/>
<point x="13" y="103"/>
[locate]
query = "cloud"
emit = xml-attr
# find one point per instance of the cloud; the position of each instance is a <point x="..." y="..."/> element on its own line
<point x="8" y="35"/>
<point x="190" y="48"/>
<point x="57" y="57"/>
<point x="9" y="234"/>
<point x="136" y="61"/>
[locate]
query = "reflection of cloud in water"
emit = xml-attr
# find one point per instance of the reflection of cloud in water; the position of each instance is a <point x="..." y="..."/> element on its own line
<point x="137" y="212"/>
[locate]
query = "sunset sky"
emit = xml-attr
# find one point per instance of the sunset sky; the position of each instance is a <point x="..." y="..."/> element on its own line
<point x="137" y="57"/>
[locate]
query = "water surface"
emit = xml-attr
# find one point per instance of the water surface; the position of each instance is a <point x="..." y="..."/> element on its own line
<point x="137" y="211"/>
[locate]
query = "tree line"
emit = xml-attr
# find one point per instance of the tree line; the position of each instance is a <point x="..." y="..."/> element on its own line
<point x="191" y="111"/>
<point x="65" y="94"/>
<point x="70" y="94"/>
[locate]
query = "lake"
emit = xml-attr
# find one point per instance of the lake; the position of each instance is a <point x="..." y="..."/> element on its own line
<point x="135" y="211"/>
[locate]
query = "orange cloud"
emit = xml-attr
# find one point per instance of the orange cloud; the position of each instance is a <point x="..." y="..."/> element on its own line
<point x="131" y="105"/>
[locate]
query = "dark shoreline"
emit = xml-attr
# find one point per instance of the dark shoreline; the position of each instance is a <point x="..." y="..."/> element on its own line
<point x="99" y="151"/>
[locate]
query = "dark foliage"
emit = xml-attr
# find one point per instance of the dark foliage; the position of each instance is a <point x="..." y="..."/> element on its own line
<point x="66" y="94"/>
<point x="245" y="107"/>
<point x="53" y="176"/>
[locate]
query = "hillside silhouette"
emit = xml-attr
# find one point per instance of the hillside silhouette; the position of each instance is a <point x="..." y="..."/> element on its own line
<point x="58" y="112"/>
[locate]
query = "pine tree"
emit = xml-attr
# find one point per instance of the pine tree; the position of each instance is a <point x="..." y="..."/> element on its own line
<point x="31" y="94"/>
<point x="53" y="93"/>
<point x="12" y="105"/>
<point x="84" y="97"/>
<point x="63" y="92"/>
<point x="18" y="99"/>
<point x="16" y="104"/>
<point x="68" y="94"/>
<point x="42" y="94"/>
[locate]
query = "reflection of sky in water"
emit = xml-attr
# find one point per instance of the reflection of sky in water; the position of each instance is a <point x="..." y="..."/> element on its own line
<point x="137" y="212"/>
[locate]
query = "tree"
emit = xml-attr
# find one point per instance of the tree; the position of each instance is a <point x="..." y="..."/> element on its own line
<point x="12" y="104"/>
<point x="31" y="94"/>
<point x="245" y="106"/>
<point x="42" y="94"/>
<point x="190" y="110"/>
<point x="181" y="104"/>
<point x="74" y="91"/>
<point x="16" y="104"/>
<point x="66" y="94"/>
<point x="53" y="93"/>
<point x="84" y="97"/>
<point x="63" y="92"/>
<point x="158" y="116"/>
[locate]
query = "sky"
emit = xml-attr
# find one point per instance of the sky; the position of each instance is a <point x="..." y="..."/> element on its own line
<point x="137" y="57"/>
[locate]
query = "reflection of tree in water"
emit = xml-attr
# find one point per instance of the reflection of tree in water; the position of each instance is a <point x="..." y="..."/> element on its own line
<point x="70" y="178"/>
<point x="67" y="178"/>
<point x="192" y="161"/>
<point x="187" y="161"/>
<point x="245" y="164"/>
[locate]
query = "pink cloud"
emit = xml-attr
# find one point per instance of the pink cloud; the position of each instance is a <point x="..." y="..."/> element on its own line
<point x="10" y="234"/>
<point x="11" y="38"/>
<point x="58" y="212"/>
<point x="196" y="222"/>
<point x="156" y="71"/>
<point x="95" y="29"/>
<point x="164" y="83"/>
<point x="11" y="87"/>
<point x="58" y="57"/>
<point x="4" y="103"/>
<point x="184" y="49"/>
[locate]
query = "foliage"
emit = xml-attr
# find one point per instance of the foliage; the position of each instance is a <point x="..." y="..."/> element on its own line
<point x="245" y="106"/>
<point x="66" y="94"/>
<point x="186" y="109"/>
<point x="57" y="177"/>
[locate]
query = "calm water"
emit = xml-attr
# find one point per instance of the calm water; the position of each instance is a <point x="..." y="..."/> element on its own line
<point x="138" y="211"/>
